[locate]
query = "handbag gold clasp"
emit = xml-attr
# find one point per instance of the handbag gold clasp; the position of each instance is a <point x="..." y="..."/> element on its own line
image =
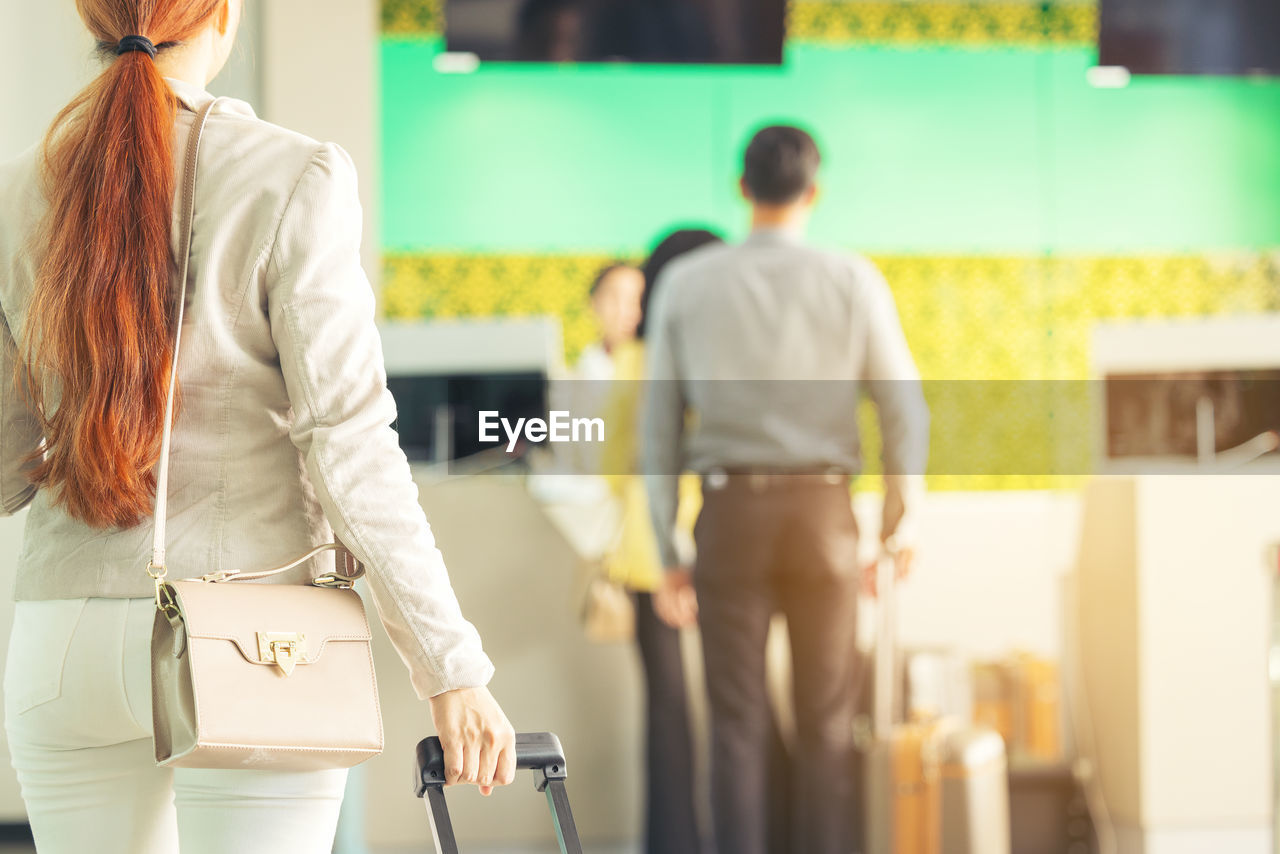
<point x="334" y="581"/>
<point x="283" y="649"/>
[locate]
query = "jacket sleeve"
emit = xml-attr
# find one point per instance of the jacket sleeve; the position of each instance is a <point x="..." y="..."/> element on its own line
<point x="893" y="383"/>
<point x="321" y="310"/>
<point x="20" y="433"/>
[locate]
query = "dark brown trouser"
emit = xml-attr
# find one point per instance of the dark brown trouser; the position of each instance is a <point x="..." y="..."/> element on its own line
<point x="764" y="545"/>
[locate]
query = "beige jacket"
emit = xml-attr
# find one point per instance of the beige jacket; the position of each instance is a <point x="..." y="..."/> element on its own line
<point x="284" y="435"/>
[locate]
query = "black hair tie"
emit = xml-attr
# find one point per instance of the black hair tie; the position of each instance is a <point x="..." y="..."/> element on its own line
<point x="142" y="43"/>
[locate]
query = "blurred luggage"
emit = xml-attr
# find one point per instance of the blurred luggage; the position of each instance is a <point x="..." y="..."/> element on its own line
<point x="975" y="791"/>
<point x="993" y="699"/>
<point x="903" y="784"/>
<point x="538" y="752"/>
<point x="1020" y="698"/>
<point x="1037" y="709"/>
<point x="934" y="786"/>
<point x="904" y="809"/>
<point x="937" y="683"/>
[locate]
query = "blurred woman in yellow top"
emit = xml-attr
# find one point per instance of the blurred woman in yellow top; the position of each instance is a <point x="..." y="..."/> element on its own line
<point x="671" y="825"/>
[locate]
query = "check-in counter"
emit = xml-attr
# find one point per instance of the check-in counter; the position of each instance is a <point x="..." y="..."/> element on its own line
<point x="1174" y="626"/>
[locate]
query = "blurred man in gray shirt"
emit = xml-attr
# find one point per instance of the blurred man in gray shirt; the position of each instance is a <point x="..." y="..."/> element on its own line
<point x="758" y="354"/>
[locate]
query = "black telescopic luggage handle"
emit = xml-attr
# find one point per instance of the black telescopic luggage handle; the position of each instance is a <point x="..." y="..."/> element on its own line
<point x="539" y="752"/>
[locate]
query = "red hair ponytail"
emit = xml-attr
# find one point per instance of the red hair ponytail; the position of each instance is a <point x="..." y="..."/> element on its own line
<point x="100" y="325"/>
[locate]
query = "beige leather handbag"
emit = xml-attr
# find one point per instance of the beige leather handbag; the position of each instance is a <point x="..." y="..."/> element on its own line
<point x="244" y="675"/>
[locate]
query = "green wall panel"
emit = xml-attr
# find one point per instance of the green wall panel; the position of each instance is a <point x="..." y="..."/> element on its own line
<point x="1176" y="163"/>
<point x="929" y="150"/>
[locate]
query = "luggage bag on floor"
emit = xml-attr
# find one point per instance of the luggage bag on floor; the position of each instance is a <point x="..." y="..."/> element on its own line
<point x="903" y="792"/>
<point x="539" y="752"/>
<point x="932" y="787"/>
<point x="902" y="782"/>
<point x="937" y="683"/>
<point x="1019" y="698"/>
<point x="975" y="791"/>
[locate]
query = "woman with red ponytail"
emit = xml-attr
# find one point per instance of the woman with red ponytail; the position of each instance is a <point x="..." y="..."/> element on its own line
<point x="282" y="439"/>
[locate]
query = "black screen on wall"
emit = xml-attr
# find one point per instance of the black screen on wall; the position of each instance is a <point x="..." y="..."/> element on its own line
<point x="676" y="31"/>
<point x="438" y="414"/>
<point x="1191" y="36"/>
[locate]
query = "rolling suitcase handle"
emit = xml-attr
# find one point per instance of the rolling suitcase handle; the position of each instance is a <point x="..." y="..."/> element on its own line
<point x="539" y="752"/>
<point x="884" y="712"/>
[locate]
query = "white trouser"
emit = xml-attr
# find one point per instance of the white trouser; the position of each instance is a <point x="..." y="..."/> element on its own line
<point x="77" y="709"/>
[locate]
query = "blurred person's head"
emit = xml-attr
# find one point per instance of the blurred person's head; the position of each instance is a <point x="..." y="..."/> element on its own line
<point x="616" y="293"/>
<point x="779" y="176"/>
<point x="671" y="247"/>
<point x="100" y="320"/>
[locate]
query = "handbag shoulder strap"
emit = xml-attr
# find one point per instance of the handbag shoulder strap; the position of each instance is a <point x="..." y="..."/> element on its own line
<point x="186" y="214"/>
<point x="347" y="568"/>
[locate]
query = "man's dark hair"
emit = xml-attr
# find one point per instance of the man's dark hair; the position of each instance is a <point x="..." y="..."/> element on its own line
<point x="781" y="162"/>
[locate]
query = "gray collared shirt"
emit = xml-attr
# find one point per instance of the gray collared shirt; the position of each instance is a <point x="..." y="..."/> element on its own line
<point x="757" y="356"/>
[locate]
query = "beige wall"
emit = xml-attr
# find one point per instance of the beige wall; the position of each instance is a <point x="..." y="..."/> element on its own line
<point x="320" y="77"/>
<point x="49" y="56"/>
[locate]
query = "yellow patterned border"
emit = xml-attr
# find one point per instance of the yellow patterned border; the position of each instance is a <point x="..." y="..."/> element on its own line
<point x="443" y="285"/>
<point x="966" y="317"/>
<point x="907" y="22"/>
<point x="412" y="17"/>
<point x="921" y="23"/>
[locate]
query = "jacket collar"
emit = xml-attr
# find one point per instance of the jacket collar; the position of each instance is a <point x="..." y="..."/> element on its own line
<point x="775" y="236"/>
<point x="194" y="98"/>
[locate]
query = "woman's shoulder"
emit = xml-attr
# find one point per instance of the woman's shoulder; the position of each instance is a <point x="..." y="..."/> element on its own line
<point x="261" y="164"/>
<point x="235" y="135"/>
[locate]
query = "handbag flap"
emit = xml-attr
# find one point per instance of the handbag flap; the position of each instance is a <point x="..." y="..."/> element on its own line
<point x="245" y="612"/>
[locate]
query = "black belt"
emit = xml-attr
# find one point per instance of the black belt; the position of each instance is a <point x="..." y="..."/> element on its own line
<point x="758" y="477"/>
